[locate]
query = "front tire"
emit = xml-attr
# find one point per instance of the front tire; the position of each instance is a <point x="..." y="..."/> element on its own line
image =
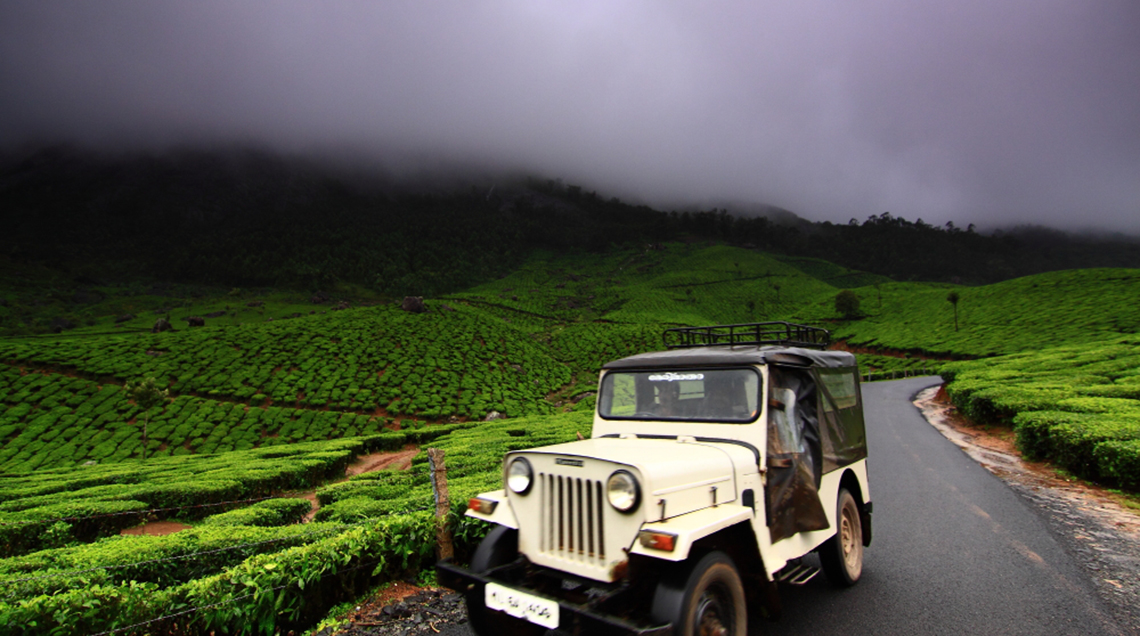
<point x="499" y="547"/>
<point x="842" y="554"/>
<point x="710" y="603"/>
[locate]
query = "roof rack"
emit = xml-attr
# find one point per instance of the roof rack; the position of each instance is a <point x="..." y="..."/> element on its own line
<point x="754" y="333"/>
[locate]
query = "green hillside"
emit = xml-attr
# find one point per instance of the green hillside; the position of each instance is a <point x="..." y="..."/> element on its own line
<point x="529" y="343"/>
<point x="277" y="394"/>
<point x="317" y="377"/>
<point x="89" y="235"/>
<point x="671" y="283"/>
<point x="1043" y="310"/>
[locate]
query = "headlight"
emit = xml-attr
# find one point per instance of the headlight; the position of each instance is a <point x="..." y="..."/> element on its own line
<point x="623" y="492"/>
<point x="519" y="476"/>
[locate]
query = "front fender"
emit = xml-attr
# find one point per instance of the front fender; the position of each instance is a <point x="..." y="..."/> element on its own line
<point x="502" y="514"/>
<point x="691" y="528"/>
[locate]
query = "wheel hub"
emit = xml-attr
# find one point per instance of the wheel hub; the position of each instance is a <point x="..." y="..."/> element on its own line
<point x="848" y="539"/>
<point x="710" y="616"/>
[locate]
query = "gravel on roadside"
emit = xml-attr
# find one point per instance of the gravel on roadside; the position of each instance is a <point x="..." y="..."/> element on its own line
<point x="424" y="612"/>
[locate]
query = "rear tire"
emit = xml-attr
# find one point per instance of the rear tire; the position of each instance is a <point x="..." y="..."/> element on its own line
<point x="842" y="554"/>
<point x="500" y="547"/>
<point x="709" y="601"/>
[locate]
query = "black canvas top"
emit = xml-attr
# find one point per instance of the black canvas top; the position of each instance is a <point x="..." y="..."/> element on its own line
<point x="734" y="356"/>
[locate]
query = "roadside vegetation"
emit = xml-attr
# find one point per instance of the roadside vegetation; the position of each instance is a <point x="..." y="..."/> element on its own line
<point x="244" y="560"/>
<point x="1076" y="406"/>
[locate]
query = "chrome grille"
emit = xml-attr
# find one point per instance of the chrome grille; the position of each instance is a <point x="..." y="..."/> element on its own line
<point x="571" y="525"/>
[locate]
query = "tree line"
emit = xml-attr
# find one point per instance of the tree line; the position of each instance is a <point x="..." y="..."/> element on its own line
<point x="250" y="219"/>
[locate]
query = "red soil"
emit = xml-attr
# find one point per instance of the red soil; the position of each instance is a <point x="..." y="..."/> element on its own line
<point x="156" y="528"/>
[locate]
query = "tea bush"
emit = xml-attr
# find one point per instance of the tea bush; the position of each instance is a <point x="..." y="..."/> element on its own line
<point x="97" y="501"/>
<point x="258" y="595"/>
<point x="1119" y="461"/>
<point x="353" y="557"/>
<point x="271" y="512"/>
<point x="474" y="463"/>
<point x="360" y="364"/>
<point x="164" y="560"/>
<point x="1075" y="406"/>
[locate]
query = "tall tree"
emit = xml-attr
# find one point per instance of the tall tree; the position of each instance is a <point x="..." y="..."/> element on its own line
<point x="847" y="304"/>
<point x="146" y="395"/>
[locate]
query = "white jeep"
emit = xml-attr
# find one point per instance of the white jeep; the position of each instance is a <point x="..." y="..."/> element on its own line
<point x="713" y="468"/>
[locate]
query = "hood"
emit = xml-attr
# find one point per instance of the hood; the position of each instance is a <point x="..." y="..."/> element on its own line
<point x="682" y="473"/>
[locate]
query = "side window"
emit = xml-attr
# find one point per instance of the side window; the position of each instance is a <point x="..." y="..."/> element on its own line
<point x="842" y="433"/>
<point x="840" y="385"/>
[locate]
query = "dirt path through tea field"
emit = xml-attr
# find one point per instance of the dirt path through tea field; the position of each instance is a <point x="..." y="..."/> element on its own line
<point x="399" y="460"/>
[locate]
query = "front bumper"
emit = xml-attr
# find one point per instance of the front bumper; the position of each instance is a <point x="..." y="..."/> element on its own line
<point x="574" y="618"/>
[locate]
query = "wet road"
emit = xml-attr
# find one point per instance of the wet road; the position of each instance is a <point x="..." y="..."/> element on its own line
<point x="955" y="550"/>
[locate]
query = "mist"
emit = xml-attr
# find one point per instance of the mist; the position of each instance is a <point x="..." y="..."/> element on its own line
<point x="996" y="114"/>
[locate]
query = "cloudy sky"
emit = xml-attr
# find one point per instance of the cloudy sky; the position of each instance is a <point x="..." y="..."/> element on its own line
<point x="1015" y="111"/>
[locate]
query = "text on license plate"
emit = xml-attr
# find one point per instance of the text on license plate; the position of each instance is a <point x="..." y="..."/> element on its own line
<point x="539" y="611"/>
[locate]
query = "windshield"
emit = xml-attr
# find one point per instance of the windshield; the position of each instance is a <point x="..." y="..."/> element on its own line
<point x="704" y="395"/>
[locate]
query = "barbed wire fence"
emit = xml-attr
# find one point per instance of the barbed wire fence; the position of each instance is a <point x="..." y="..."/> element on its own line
<point x="154" y="511"/>
<point x="199" y="608"/>
<point x="340" y="528"/>
<point x="143" y="511"/>
<point x="439" y="494"/>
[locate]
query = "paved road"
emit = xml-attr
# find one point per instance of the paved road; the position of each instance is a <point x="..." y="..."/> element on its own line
<point x="955" y="550"/>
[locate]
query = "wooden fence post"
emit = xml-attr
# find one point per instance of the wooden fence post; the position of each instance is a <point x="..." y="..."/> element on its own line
<point x="444" y="547"/>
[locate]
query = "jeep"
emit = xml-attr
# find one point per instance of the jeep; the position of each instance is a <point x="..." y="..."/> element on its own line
<point x="714" y="466"/>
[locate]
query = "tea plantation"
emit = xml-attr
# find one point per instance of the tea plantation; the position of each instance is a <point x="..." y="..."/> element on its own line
<point x="1044" y="310"/>
<point x="262" y="411"/>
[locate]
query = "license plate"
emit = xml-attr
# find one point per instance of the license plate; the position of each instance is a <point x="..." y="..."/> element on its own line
<point x="539" y="611"/>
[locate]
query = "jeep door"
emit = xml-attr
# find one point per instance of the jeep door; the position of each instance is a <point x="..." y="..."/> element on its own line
<point x="794" y="455"/>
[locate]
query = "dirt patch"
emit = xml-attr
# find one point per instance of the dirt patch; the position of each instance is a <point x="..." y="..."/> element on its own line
<point x="400" y="460"/>
<point x="156" y="528"/>
<point x="395" y="593"/>
<point x="314" y="503"/>
<point x="995" y="448"/>
<point x="992" y="447"/>
<point x="1102" y="535"/>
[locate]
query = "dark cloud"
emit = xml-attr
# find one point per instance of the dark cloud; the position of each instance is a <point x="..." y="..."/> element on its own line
<point x="972" y="111"/>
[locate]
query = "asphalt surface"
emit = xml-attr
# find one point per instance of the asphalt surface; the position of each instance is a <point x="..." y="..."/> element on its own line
<point x="955" y="550"/>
